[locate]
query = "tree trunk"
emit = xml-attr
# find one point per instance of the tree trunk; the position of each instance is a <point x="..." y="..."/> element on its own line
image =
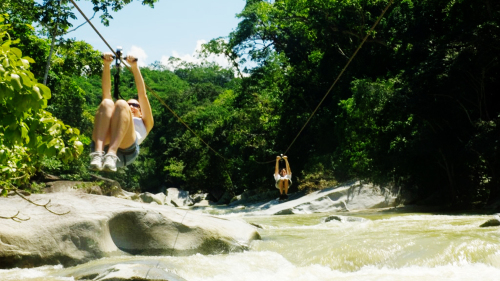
<point x="47" y="67"/>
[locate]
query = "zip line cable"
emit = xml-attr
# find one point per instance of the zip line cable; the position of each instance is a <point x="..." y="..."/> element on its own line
<point x="159" y="99"/>
<point x="342" y="72"/>
<point x="147" y="87"/>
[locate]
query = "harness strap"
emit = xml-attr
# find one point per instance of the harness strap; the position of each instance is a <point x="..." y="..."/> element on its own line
<point x="117" y="74"/>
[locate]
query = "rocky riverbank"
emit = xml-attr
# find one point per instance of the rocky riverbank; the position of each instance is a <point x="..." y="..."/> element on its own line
<point x="76" y="227"/>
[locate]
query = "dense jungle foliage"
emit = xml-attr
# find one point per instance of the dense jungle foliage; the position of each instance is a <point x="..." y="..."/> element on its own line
<point x="418" y="108"/>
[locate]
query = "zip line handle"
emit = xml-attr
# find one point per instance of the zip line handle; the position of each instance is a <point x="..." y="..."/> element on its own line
<point x="123" y="58"/>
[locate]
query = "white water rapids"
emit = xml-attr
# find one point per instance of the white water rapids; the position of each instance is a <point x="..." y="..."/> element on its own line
<point x="380" y="246"/>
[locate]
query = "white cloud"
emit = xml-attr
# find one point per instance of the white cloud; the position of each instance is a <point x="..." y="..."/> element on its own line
<point x="194" y="57"/>
<point x="140" y="54"/>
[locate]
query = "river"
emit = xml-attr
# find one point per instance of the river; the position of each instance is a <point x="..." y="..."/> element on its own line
<point x="362" y="246"/>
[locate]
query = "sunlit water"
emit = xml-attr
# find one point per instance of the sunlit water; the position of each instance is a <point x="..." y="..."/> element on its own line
<point x="383" y="246"/>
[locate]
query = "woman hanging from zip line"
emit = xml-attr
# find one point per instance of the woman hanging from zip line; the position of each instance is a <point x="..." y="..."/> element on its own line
<point x="283" y="178"/>
<point x="119" y="128"/>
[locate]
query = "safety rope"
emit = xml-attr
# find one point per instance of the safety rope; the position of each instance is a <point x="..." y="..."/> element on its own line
<point x="336" y="80"/>
<point x="147" y="87"/>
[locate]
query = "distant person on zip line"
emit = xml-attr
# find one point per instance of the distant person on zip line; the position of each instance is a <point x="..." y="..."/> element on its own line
<point x="283" y="178"/>
<point x="119" y="128"/>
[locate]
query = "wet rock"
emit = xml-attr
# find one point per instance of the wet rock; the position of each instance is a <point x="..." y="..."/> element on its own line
<point x="331" y="218"/>
<point x="133" y="270"/>
<point x="288" y="211"/>
<point x="257" y="225"/>
<point x="491" y="222"/>
<point x="343" y="219"/>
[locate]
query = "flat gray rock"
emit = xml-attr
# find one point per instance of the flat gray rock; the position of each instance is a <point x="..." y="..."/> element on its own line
<point x="99" y="226"/>
<point x="343" y="198"/>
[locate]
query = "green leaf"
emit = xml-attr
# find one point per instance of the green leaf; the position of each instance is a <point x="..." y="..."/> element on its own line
<point x="15" y="81"/>
<point x="17" y="52"/>
<point x="78" y="145"/>
<point x="36" y="93"/>
<point x="45" y="90"/>
<point x="25" y="63"/>
<point x="30" y="60"/>
<point x="6" y="63"/>
<point x="24" y="132"/>
<point x="27" y="82"/>
<point x="52" y="143"/>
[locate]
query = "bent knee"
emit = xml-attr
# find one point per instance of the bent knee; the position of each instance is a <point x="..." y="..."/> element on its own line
<point x="121" y="104"/>
<point x="108" y="103"/>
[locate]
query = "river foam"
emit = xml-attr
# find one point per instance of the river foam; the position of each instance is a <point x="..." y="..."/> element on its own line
<point x="270" y="266"/>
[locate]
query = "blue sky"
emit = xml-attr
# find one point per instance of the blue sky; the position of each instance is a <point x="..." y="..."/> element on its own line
<point x="173" y="28"/>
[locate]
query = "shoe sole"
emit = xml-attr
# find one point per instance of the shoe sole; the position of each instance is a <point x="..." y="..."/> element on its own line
<point x="95" y="168"/>
<point x="107" y="169"/>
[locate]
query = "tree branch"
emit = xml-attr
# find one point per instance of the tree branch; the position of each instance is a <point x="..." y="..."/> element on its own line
<point x="15" y="218"/>
<point x="44" y="205"/>
<point x="81" y="24"/>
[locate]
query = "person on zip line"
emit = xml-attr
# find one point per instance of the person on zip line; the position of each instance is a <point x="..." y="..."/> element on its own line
<point x="121" y="126"/>
<point x="283" y="178"/>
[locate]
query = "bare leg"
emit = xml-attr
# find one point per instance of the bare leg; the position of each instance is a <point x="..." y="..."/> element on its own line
<point x="122" y="127"/>
<point x="100" y="134"/>
<point x="285" y="186"/>
<point x="280" y="184"/>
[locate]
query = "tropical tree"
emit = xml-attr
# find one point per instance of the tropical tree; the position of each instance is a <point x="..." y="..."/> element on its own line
<point x="28" y="132"/>
<point x="416" y="107"/>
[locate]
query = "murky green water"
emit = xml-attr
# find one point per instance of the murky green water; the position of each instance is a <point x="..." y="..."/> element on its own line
<point x="373" y="246"/>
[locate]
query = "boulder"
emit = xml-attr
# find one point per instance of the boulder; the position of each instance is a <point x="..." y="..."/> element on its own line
<point x="491" y="222"/>
<point x="347" y="197"/>
<point x="123" y="194"/>
<point x="178" y="198"/>
<point x="99" y="226"/>
<point x="150" y="198"/>
<point x="343" y="219"/>
<point x="198" y="197"/>
<point x="288" y="211"/>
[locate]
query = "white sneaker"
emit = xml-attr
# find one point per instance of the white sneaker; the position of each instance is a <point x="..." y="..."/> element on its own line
<point x="109" y="164"/>
<point x="96" y="159"/>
